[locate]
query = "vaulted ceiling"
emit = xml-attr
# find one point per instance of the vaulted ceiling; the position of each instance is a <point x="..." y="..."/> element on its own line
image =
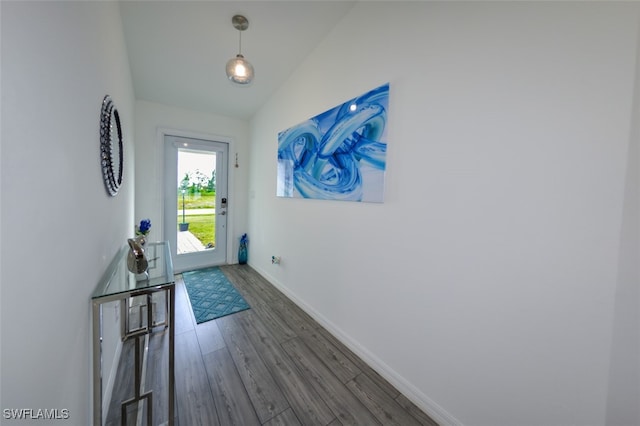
<point x="178" y="49"/>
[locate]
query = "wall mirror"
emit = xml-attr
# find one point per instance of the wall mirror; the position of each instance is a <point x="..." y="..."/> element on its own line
<point x="111" y="149"/>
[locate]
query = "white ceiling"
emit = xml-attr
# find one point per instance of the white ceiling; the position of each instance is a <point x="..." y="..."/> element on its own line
<point x="178" y="49"/>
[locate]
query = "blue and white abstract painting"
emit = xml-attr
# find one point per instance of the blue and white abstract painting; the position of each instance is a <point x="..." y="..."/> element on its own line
<point x="340" y="154"/>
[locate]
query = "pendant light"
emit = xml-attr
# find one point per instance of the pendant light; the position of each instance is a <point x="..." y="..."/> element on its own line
<point x="239" y="70"/>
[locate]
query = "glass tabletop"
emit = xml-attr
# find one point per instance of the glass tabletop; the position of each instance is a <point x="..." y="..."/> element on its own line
<point x="117" y="278"/>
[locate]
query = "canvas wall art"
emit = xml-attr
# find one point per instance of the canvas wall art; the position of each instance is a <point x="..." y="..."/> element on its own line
<point x="339" y="154"/>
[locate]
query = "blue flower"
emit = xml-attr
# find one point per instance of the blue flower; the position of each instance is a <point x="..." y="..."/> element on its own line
<point x="144" y="227"/>
<point x="244" y="239"/>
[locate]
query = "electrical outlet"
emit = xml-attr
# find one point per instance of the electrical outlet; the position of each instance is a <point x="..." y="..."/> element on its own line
<point x="275" y="260"/>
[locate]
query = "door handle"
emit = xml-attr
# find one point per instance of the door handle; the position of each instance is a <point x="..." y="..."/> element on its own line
<point x="222" y="213"/>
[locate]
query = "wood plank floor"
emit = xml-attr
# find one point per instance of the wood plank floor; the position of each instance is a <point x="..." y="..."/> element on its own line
<point x="269" y="365"/>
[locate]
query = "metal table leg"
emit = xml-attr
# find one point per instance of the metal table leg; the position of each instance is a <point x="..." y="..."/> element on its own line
<point x="172" y="332"/>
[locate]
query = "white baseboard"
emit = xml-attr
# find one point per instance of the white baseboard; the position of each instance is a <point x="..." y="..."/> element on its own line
<point x="430" y="407"/>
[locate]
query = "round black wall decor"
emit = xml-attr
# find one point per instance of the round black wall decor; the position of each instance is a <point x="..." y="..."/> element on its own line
<point x="111" y="149"/>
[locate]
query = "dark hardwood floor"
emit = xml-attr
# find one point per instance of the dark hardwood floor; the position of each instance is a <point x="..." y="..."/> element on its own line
<point x="269" y="365"/>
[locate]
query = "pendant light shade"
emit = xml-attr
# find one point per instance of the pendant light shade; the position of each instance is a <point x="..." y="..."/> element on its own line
<point x="239" y="70"/>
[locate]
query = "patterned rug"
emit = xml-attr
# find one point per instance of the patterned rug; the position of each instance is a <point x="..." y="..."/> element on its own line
<point x="212" y="295"/>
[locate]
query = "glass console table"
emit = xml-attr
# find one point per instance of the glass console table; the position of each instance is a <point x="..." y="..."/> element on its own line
<point x="140" y="316"/>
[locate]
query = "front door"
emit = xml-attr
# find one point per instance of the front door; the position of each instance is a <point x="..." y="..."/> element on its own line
<point x="196" y="201"/>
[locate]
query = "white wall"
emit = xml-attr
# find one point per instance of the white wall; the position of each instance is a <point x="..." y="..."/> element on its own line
<point x="59" y="227"/>
<point x="150" y="117"/>
<point x="485" y="286"/>
<point x="623" y="399"/>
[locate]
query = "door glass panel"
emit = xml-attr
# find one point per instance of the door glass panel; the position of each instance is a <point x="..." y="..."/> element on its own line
<point x="196" y="196"/>
<point x="196" y="201"/>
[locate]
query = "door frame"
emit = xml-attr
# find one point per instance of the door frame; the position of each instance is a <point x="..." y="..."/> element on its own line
<point x="162" y="134"/>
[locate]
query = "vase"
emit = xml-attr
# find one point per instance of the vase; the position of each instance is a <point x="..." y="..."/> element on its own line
<point x="136" y="259"/>
<point x="242" y="254"/>
<point x="141" y="239"/>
